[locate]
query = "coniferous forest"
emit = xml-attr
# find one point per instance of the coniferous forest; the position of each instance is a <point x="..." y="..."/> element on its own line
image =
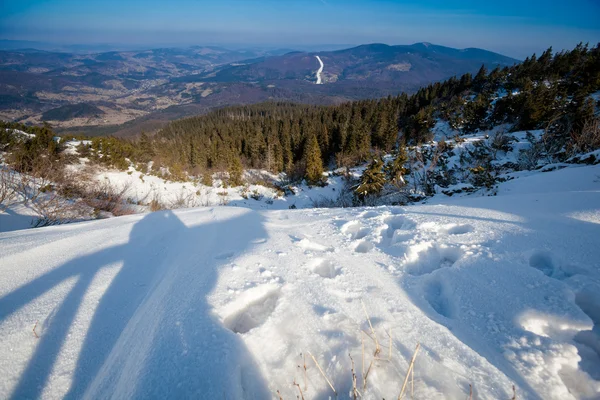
<point x="548" y="92"/>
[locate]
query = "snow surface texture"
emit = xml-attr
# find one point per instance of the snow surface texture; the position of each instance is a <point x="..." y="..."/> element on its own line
<point x="225" y="302"/>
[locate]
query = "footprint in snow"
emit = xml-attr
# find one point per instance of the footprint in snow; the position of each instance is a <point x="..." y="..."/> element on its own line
<point x="324" y="268"/>
<point x="312" y="246"/>
<point x="437" y="294"/>
<point x="355" y="230"/>
<point x="369" y="214"/>
<point x="364" y="247"/>
<point x="545" y="262"/>
<point x="588" y="300"/>
<point x="425" y="258"/>
<point x="397" y="229"/>
<point x="457" y="229"/>
<point x="252" y="308"/>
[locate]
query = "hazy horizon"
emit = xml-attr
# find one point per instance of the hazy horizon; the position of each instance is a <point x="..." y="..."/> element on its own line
<point x="513" y="28"/>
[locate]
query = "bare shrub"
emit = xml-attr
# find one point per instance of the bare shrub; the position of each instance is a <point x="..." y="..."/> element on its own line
<point x="42" y="193"/>
<point x="207" y="179"/>
<point x="500" y="142"/>
<point x="184" y="199"/>
<point x="53" y="209"/>
<point x="8" y="187"/>
<point x="344" y="199"/>
<point x="203" y="197"/>
<point x="257" y="177"/>
<point x="156" y="203"/>
<point x="104" y="196"/>
<point x="529" y="158"/>
<point x="256" y="195"/>
<point x="589" y="137"/>
<point x="43" y="176"/>
<point x="223" y="198"/>
<point x="395" y="196"/>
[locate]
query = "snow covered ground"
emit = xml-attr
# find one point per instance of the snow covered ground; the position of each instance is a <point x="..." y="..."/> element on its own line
<point x="230" y="302"/>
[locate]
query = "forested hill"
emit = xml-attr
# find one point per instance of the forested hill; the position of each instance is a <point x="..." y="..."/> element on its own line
<point x="551" y="91"/>
<point x="547" y="91"/>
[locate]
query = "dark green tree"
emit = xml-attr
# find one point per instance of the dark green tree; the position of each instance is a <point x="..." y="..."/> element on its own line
<point x="235" y="172"/>
<point x="394" y="170"/>
<point x="314" y="163"/>
<point x="372" y="180"/>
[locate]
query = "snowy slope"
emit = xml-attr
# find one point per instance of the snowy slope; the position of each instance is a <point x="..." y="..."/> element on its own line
<point x="228" y="302"/>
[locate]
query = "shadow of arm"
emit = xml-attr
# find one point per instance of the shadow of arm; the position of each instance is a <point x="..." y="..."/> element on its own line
<point x="86" y="265"/>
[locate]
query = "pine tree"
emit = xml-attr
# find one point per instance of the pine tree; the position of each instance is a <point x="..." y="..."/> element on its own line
<point x="235" y="172"/>
<point x="144" y="146"/>
<point x="193" y="156"/>
<point x="395" y="170"/>
<point x="314" y="163"/>
<point x="475" y="113"/>
<point x="371" y="181"/>
<point x="480" y="78"/>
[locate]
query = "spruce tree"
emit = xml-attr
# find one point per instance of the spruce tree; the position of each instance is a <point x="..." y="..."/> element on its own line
<point x="395" y="170"/>
<point x="372" y="180"/>
<point x="314" y="164"/>
<point x="235" y="172"/>
<point x="480" y="78"/>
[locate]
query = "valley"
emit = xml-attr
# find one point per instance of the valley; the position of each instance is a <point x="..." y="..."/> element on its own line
<point x="125" y="93"/>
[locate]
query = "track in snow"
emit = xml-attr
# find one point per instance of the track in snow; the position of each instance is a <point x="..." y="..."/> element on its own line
<point x="319" y="81"/>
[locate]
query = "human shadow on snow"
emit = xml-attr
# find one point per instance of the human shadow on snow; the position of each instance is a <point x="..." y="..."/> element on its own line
<point x="153" y="333"/>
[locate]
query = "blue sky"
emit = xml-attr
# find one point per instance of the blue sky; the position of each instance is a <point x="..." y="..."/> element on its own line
<point x="515" y="28"/>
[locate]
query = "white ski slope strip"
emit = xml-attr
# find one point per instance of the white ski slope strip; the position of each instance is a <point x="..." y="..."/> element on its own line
<point x="221" y="302"/>
<point x="320" y="70"/>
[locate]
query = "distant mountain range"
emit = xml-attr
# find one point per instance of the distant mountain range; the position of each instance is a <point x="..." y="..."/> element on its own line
<point x="399" y="66"/>
<point x="144" y="89"/>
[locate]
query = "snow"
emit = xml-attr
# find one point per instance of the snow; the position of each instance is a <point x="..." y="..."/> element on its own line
<point x="443" y="131"/>
<point x="21" y="133"/>
<point x="227" y="302"/>
<point x="320" y="70"/>
<point x="16" y="217"/>
<point x="71" y="145"/>
<point x="142" y="188"/>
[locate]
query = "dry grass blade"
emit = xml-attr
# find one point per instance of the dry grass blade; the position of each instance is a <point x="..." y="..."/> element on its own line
<point x="365" y="376"/>
<point x="279" y="395"/>
<point x="34" y="332"/>
<point x="355" y="392"/>
<point x="412" y="383"/>
<point x="299" y="389"/>
<point x="305" y="379"/>
<point x="470" y="392"/>
<point x="514" y="393"/>
<point x="322" y="373"/>
<point x="410" y="367"/>
<point x="377" y="348"/>
<point x="362" y="342"/>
